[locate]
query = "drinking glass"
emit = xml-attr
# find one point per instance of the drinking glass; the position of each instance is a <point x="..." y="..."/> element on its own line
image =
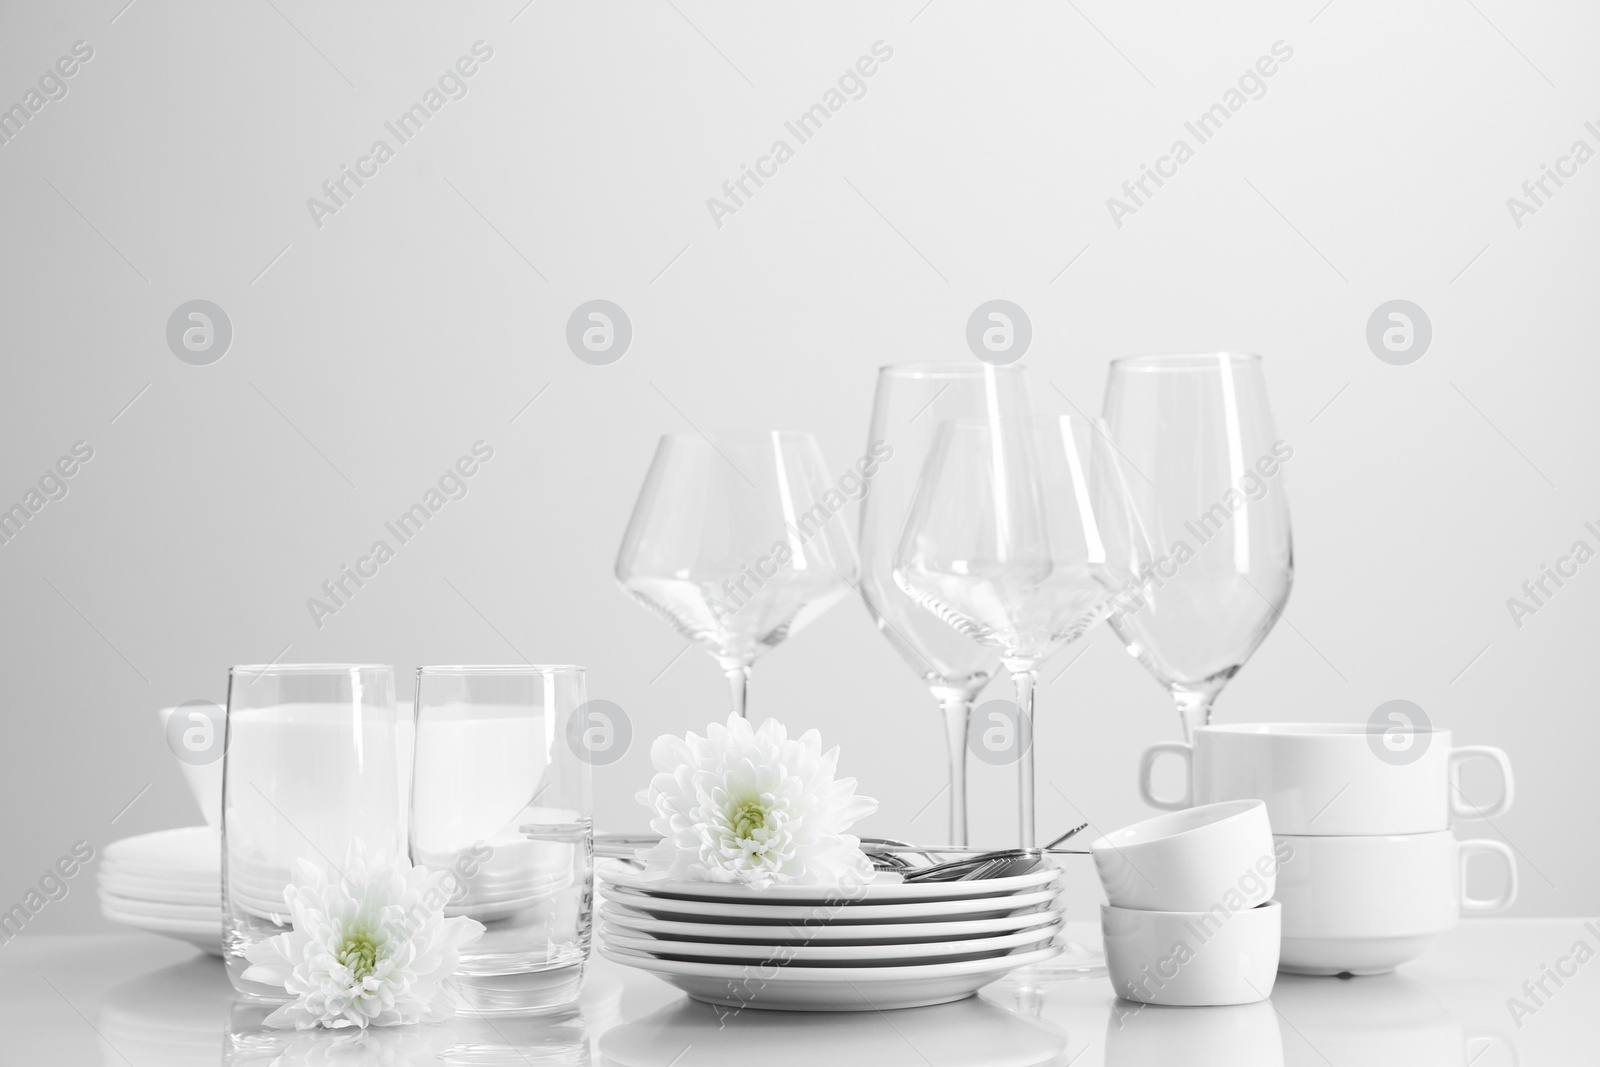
<point x="1197" y="432"/>
<point x="912" y="399"/>
<point x="501" y="799"/>
<point x="311" y="763"/>
<point x="1019" y="537"/>
<point x="736" y="541"/>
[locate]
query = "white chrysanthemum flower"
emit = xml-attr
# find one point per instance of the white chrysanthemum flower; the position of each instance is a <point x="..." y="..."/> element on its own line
<point x="753" y="806"/>
<point x="369" y="948"/>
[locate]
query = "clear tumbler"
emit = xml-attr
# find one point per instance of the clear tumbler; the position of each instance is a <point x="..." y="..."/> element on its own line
<point x="311" y="764"/>
<point x="501" y="800"/>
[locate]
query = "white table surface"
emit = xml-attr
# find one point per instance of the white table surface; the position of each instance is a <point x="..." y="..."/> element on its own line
<point x="133" y="1000"/>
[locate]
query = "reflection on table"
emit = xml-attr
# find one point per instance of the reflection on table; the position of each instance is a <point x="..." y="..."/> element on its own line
<point x="972" y="1031"/>
<point x="139" y="1001"/>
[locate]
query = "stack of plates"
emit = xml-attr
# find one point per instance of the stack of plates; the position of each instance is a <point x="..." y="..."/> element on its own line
<point x="169" y="883"/>
<point x="801" y="948"/>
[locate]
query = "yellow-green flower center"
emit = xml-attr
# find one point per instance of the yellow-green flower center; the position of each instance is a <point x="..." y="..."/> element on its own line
<point x="748" y="816"/>
<point x="359" y="953"/>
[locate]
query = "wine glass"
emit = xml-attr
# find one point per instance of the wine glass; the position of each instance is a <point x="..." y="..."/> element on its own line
<point x="1020" y="536"/>
<point x="737" y="541"/>
<point x="911" y="401"/>
<point x="1208" y="488"/>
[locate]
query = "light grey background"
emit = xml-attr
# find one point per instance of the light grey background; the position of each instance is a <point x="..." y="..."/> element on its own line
<point x="370" y="353"/>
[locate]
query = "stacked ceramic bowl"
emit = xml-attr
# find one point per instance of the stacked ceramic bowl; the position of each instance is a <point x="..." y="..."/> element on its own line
<point x="1190" y="918"/>
<point x="1370" y="871"/>
<point x="889" y="944"/>
<point x="168" y="882"/>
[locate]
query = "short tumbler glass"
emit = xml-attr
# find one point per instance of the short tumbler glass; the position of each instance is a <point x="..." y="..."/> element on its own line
<point x="501" y="799"/>
<point x="311" y="765"/>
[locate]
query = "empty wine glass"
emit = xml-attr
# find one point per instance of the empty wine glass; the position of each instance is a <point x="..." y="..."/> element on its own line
<point x="1207" y="487"/>
<point x="1019" y="537"/>
<point x="912" y="399"/>
<point x="736" y="540"/>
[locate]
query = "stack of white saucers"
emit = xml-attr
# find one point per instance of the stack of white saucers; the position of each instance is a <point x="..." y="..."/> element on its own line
<point x="168" y="882"/>
<point x="890" y="944"/>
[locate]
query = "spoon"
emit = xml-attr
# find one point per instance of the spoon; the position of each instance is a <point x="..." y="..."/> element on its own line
<point x="1005" y="863"/>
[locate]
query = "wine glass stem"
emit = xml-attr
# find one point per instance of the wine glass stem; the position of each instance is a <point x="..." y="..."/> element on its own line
<point x="957" y="707"/>
<point x="739" y="687"/>
<point x="1194" y="708"/>
<point x="1024" y="678"/>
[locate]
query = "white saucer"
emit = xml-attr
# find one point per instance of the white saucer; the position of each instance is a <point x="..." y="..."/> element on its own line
<point x="886" y="889"/>
<point x="156" y="909"/>
<point x="636" y="922"/>
<point x="165" y="892"/>
<point x="167" y="853"/>
<point x="835" y="955"/>
<point x="843" y="914"/>
<point x="202" y="935"/>
<point x="828" y="988"/>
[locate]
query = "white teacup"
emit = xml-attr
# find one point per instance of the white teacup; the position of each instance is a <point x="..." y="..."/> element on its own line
<point x="1190" y="860"/>
<point x="1333" y="779"/>
<point x="1364" y="905"/>
<point x="1192" y="958"/>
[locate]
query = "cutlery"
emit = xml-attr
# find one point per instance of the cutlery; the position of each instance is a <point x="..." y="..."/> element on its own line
<point x="890" y="855"/>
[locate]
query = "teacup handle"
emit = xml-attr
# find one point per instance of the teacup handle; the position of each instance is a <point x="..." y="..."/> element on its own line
<point x="1458" y="801"/>
<point x="1147" y="762"/>
<point x="1485" y="905"/>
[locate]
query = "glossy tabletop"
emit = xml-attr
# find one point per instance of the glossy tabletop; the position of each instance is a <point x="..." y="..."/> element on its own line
<point x="134" y="1000"/>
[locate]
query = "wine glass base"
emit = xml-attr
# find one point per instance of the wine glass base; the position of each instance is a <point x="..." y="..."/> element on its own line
<point x="1075" y="960"/>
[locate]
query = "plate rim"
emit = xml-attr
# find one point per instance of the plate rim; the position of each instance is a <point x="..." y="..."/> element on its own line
<point x="608" y="912"/>
<point x="962" y="947"/>
<point x="882" y="893"/>
<point x="971" y="905"/>
<point x="818" y="975"/>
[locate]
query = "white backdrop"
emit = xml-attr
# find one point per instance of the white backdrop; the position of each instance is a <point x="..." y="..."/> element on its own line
<point x="373" y="345"/>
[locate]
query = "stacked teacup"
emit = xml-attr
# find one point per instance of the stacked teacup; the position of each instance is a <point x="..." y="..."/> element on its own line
<point x="1189" y="918"/>
<point x="1370" y="872"/>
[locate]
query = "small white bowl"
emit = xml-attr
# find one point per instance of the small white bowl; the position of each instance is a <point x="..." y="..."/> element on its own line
<point x="1190" y="860"/>
<point x="1192" y="958"/>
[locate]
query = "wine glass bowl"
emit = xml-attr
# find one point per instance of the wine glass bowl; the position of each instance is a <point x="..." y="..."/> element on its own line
<point x="736" y="541"/>
<point x="1020" y="537"/>
<point x="1208" y="488"/>
<point x="910" y="402"/>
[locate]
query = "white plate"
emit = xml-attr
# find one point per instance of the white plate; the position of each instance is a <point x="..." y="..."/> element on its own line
<point x="206" y="936"/>
<point x="186" y="850"/>
<point x="828" y="988"/>
<point x="888" y="889"/>
<point x="155" y="909"/>
<point x="841" y="915"/>
<point x="165" y="892"/>
<point x="636" y="923"/>
<point x="836" y="955"/>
